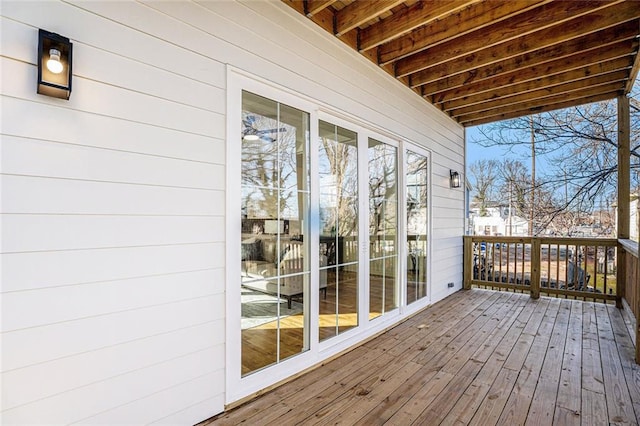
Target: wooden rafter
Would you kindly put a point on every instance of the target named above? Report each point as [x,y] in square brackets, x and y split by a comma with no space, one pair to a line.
[548,37]
[533,28]
[409,19]
[549,90]
[514,112]
[523,62]
[313,7]
[534,104]
[610,58]
[472,18]
[488,60]
[360,12]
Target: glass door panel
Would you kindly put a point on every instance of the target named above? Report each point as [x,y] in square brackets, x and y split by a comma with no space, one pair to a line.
[275,269]
[338,177]
[417,226]
[383,225]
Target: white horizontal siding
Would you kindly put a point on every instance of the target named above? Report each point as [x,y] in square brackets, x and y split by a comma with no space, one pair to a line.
[116,102]
[75,302]
[77,371]
[113,201]
[53,159]
[39,121]
[59,268]
[22,233]
[47,195]
[172,377]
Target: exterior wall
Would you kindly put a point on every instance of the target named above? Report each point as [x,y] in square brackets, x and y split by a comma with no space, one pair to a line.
[113,250]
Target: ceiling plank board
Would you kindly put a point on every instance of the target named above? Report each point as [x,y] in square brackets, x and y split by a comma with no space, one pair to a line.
[626,31]
[359,12]
[490,118]
[315,6]
[535,105]
[575,28]
[400,23]
[515,77]
[595,62]
[472,18]
[519,96]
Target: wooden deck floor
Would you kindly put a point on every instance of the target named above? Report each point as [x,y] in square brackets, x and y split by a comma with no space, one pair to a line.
[478,357]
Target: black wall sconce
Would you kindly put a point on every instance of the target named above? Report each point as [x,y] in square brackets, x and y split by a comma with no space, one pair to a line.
[454,178]
[55,55]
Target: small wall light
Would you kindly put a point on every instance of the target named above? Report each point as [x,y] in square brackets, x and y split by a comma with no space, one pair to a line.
[454,179]
[54,65]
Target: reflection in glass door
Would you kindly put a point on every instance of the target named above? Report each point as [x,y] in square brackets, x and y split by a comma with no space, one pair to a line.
[338,177]
[383,225]
[417,219]
[275,268]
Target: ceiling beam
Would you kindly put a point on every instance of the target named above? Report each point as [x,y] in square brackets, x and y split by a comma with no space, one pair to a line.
[359,12]
[472,18]
[626,31]
[575,28]
[518,97]
[489,118]
[595,62]
[419,14]
[312,7]
[550,17]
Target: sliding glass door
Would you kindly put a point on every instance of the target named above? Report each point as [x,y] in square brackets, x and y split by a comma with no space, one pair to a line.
[275,268]
[383,228]
[339,222]
[417,191]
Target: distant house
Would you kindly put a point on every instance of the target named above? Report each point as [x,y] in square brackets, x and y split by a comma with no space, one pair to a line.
[497,221]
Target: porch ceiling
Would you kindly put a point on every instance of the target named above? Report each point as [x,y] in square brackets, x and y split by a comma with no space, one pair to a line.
[482,61]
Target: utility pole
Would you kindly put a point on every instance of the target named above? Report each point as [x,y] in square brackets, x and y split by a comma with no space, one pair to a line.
[533,176]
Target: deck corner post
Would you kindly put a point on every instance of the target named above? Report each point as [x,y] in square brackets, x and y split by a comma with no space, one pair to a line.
[624,191]
[467,266]
[535,268]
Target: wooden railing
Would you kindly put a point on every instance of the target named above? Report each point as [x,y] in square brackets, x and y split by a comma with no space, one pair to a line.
[630,273]
[582,268]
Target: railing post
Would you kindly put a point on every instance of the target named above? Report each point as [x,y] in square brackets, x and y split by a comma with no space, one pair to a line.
[535,268]
[467,260]
[621,275]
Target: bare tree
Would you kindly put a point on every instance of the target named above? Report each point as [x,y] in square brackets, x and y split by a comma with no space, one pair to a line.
[580,147]
[485,174]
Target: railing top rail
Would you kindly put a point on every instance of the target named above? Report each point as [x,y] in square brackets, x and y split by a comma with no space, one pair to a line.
[500,239]
[630,247]
[545,240]
[579,241]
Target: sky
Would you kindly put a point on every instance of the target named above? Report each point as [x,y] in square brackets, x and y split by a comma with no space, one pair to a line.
[476,152]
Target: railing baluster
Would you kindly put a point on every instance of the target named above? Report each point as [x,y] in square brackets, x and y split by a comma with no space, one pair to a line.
[508,280]
[534,281]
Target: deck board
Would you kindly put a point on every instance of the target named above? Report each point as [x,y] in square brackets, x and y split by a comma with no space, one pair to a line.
[480,357]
